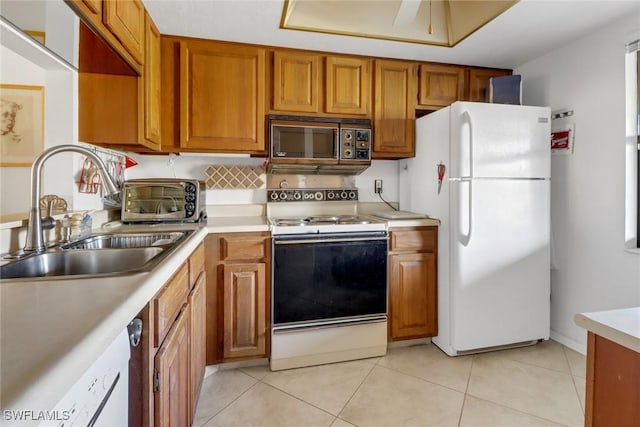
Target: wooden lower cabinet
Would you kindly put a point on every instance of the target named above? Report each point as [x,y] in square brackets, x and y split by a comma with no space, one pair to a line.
[238,296]
[412,290]
[613,384]
[167,368]
[198,335]
[244,310]
[413,283]
[171,380]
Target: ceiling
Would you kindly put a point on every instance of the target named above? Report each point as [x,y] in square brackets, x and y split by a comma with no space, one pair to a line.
[523,32]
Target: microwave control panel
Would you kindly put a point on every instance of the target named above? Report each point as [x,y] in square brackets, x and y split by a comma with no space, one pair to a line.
[355,144]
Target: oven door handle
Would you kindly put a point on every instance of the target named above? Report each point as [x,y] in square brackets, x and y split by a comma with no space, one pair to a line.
[328,324]
[337,240]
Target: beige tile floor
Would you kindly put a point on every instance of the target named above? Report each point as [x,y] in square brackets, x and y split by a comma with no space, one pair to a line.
[541,385]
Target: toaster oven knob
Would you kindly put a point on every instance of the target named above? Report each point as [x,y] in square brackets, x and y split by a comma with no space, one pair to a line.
[189,187]
[191,207]
[190,197]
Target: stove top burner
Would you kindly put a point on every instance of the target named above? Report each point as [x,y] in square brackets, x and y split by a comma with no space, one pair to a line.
[320,220]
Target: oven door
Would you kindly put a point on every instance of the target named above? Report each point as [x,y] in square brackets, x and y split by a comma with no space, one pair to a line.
[329,279]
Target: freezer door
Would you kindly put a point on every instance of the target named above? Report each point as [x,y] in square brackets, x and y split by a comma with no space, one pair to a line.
[500,141]
[500,278]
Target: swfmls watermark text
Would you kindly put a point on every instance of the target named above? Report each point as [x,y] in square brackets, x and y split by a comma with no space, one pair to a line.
[31,415]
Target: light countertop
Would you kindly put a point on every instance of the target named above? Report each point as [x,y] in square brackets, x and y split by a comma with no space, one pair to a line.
[52,330]
[419,222]
[621,326]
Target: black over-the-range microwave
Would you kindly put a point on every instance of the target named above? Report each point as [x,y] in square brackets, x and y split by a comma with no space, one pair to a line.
[319,144]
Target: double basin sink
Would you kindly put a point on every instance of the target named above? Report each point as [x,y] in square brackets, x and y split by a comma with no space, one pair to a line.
[98,255]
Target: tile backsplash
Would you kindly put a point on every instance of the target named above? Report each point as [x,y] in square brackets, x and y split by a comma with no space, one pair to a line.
[234,176]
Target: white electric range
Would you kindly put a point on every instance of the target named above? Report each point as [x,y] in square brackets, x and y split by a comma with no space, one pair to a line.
[329,278]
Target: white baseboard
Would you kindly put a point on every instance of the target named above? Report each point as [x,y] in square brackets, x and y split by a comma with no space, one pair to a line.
[569,342]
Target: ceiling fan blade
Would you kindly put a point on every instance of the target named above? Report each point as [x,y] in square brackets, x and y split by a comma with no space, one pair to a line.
[406,12]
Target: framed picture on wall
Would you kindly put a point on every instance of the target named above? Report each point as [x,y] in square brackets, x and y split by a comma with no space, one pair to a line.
[22,126]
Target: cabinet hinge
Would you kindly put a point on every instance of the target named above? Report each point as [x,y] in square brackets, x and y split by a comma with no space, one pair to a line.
[156,381]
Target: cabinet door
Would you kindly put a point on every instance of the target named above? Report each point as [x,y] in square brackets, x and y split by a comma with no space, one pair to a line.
[295,82]
[171,393]
[347,85]
[125,19]
[222,97]
[412,296]
[152,94]
[197,305]
[479,82]
[244,310]
[92,9]
[394,109]
[440,85]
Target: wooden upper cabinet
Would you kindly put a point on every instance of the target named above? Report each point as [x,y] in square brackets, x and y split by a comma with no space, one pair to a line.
[152,92]
[222,97]
[394,109]
[479,82]
[125,19]
[440,85]
[296,82]
[91,8]
[347,85]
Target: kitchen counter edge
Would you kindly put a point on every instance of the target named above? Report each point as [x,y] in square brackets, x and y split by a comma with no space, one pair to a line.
[621,326]
[22,387]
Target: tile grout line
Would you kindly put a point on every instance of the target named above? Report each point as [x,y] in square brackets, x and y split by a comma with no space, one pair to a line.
[573,379]
[356,390]
[466,390]
[520,410]
[233,400]
[422,379]
[299,399]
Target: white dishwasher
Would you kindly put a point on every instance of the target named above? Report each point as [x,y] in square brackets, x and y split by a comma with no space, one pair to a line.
[100,398]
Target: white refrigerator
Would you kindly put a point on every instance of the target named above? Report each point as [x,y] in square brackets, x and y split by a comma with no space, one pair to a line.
[493,204]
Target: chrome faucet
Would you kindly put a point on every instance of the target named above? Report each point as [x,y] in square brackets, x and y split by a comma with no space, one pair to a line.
[35,235]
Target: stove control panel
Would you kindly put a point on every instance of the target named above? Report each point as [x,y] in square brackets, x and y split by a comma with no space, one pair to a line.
[312,195]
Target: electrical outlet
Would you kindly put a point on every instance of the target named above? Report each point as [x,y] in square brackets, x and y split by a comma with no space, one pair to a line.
[377,186]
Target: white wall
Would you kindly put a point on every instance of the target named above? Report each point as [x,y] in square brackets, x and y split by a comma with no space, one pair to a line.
[594,272]
[193,165]
[60,115]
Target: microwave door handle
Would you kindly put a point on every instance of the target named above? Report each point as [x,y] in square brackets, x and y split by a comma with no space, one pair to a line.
[337,143]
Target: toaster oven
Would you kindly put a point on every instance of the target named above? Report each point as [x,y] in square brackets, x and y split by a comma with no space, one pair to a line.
[163,200]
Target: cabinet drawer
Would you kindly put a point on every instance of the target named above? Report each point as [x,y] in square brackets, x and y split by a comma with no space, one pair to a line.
[169,301]
[243,248]
[413,239]
[196,264]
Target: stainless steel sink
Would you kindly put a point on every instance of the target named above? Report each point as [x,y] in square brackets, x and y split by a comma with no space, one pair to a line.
[97,255]
[84,261]
[129,240]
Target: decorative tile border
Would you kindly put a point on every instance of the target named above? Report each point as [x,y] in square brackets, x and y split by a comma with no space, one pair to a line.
[233,177]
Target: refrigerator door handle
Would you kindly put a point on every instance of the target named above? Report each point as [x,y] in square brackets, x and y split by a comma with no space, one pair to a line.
[464,238]
[466,119]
